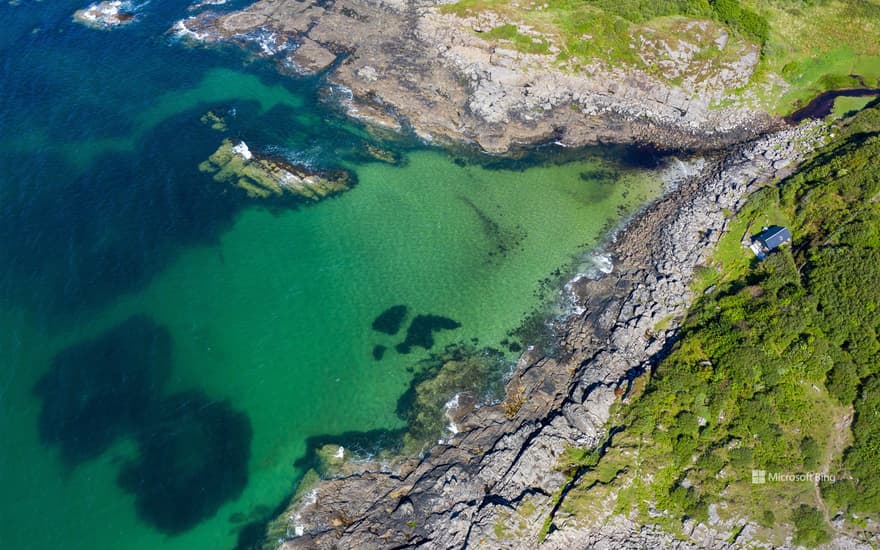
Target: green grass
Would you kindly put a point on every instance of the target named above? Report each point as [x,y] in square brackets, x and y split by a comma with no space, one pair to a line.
[847,106]
[518,40]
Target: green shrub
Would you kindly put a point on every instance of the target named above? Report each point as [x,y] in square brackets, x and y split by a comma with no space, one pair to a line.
[811,453]
[749,23]
[809,527]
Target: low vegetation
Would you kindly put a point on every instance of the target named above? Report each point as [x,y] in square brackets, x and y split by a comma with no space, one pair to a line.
[777,368]
[805,46]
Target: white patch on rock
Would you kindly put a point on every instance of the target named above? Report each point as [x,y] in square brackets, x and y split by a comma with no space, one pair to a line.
[368,73]
[242,149]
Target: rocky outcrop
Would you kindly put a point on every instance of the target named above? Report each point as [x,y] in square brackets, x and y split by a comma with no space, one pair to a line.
[501,461]
[264,177]
[407,64]
[106,15]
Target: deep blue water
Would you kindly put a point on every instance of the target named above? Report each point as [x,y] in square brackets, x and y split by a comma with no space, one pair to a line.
[76,104]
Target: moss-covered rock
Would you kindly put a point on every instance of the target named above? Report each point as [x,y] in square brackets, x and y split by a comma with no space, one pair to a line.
[265,177]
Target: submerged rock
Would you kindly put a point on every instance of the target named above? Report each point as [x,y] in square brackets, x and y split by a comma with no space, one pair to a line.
[331,459]
[265,177]
[383,155]
[446,388]
[214,121]
[105,15]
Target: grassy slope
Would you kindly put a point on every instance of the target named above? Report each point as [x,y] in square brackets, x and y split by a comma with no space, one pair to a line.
[772,367]
[807,46]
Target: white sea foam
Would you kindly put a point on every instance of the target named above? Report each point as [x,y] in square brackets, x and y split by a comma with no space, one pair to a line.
[199,5]
[241,149]
[181,31]
[596,266]
[451,405]
[298,528]
[307,158]
[603,263]
[268,41]
[340,452]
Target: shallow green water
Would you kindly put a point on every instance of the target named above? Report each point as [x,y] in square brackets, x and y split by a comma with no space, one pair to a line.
[268,309]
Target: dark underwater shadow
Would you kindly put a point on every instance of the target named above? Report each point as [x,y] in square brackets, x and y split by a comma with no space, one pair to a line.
[75,245]
[622,157]
[193,458]
[101,389]
[192,451]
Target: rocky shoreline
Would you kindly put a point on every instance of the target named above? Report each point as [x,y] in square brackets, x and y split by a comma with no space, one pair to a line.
[408,65]
[501,461]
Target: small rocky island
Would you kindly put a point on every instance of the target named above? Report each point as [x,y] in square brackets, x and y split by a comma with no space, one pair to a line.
[106,15]
[264,177]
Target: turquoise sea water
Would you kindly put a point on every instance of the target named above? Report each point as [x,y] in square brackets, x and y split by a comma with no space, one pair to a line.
[167,345]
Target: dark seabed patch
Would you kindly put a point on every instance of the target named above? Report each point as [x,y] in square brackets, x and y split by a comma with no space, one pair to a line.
[379,352]
[504,240]
[193,458]
[109,230]
[421,331]
[512,345]
[100,389]
[78,244]
[390,320]
[603,175]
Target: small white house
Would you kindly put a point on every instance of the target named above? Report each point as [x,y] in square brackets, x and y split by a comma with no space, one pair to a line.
[769,239]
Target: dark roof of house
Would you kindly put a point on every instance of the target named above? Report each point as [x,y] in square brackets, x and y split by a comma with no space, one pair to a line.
[774,236]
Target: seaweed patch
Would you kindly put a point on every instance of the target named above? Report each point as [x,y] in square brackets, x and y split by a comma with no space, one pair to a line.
[193,458]
[100,389]
[390,320]
[193,451]
[421,331]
